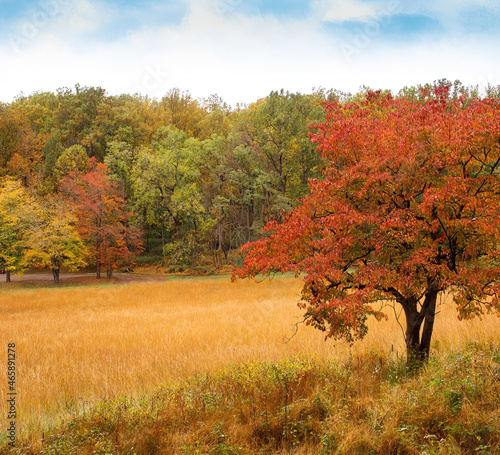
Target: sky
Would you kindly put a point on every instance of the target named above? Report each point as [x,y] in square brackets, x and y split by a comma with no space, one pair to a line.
[244,49]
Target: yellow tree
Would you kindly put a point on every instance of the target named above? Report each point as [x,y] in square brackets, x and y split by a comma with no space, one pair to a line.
[53,241]
[27,162]
[73,159]
[16,209]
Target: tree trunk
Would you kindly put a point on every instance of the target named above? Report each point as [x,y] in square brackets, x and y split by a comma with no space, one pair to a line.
[249,235]
[212,250]
[223,247]
[412,336]
[109,273]
[7,276]
[98,273]
[418,347]
[55,274]
[425,342]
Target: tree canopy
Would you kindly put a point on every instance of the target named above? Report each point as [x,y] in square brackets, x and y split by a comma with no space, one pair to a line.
[52,240]
[102,218]
[408,208]
[196,178]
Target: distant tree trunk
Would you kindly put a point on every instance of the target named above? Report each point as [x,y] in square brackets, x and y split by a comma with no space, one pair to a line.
[55,274]
[56,267]
[215,256]
[98,272]
[7,276]
[109,272]
[223,246]
[418,347]
[194,248]
[249,233]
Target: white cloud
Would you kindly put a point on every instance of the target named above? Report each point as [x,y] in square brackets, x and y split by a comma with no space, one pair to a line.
[344,10]
[239,57]
[84,16]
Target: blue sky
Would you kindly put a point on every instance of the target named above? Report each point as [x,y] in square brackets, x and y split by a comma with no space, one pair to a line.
[243,49]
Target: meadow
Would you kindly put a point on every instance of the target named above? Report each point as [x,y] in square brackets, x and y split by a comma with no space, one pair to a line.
[76,346]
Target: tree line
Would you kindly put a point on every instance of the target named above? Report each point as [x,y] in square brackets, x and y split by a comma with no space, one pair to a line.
[93,179]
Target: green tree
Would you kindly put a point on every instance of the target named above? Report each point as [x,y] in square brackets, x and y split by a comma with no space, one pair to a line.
[276,129]
[218,119]
[166,193]
[73,160]
[120,161]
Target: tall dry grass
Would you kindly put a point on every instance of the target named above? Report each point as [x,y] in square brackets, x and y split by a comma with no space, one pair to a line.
[78,345]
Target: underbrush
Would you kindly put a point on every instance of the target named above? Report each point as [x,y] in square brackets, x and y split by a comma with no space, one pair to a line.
[368,404]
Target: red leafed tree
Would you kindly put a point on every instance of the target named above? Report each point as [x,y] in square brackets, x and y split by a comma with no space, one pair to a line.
[409,208]
[102,218]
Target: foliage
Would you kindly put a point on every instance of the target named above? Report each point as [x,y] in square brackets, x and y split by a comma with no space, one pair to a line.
[408,209]
[103,220]
[73,160]
[120,161]
[276,129]
[166,195]
[241,167]
[52,240]
[16,212]
[27,160]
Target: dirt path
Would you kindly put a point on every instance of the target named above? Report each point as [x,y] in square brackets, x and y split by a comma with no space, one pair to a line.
[47,276]
[75,279]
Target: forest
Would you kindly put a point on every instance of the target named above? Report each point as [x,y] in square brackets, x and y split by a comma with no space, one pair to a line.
[93,180]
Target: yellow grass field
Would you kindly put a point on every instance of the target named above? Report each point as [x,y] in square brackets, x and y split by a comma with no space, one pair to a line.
[78,345]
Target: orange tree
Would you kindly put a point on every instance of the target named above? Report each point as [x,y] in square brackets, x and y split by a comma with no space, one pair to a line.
[408,208]
[103,221]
